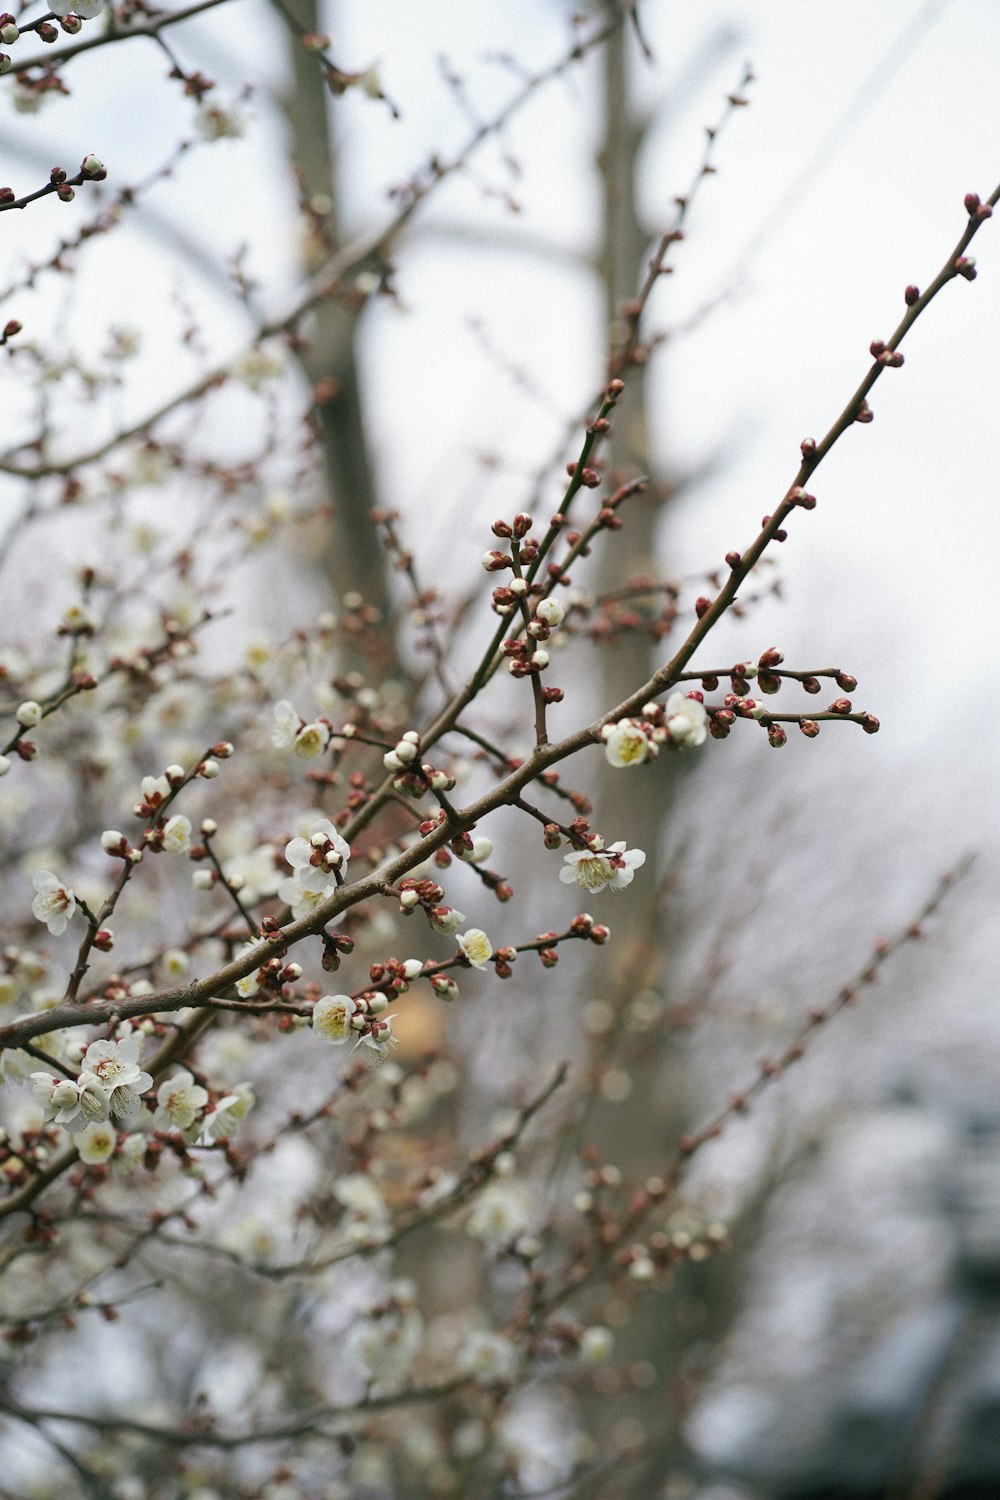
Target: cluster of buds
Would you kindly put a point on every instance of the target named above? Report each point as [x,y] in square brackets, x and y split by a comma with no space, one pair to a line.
[335,944]
[390,979]
[424,893]
[526,658]
[416,779]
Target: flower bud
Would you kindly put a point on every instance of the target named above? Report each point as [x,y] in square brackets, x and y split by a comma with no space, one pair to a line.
[550,612]
[29,714]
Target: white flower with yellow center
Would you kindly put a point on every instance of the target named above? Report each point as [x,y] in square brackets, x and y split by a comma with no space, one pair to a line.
[593,869]
[71,1102]
[96,1142]
[180,1102]
[625,744]
[115,1065]
[177,834]
[476,947]
[311,741]
[331,1018]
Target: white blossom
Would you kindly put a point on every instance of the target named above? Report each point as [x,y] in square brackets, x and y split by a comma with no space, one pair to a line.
[286,725]
[177,834]
[446,918]
[115,1065]
[215,123]
[71,1102]
[499,1214]
[223,1120]
[595,869]
[95,1142]
[482,848]
[476,947]
[319,859]
[302,900]
[625,744]
[29,714]
[311,741]
[331,1018]
[686,721]
[257,365]
[130,1154]
[85,9]
[180,1102]
[489,1357]
[54,903]
[596,1344]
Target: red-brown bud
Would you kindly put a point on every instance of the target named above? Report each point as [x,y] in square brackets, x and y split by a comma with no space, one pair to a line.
[911,295]
[702,606]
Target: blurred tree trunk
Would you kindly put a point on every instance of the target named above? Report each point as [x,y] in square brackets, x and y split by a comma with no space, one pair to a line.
[638,1134]
[353,558]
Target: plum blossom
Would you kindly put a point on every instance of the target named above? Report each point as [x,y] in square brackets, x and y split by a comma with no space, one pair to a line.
[625,744]
[593,869]
[319,863]
[177,834]
[115,1066]
[287,724]
[215,124]
[85,9]
[96,1142]
[500,1214]
[250,983]
[54,903]
[476,947]
[311,741]
[489,1358]
[256,365]
[155,789]
[686,721]
[367,1215]
[223,1120]
[318,860]
[331,1018]
[131,1150]
[71,1102]
[180,1103]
